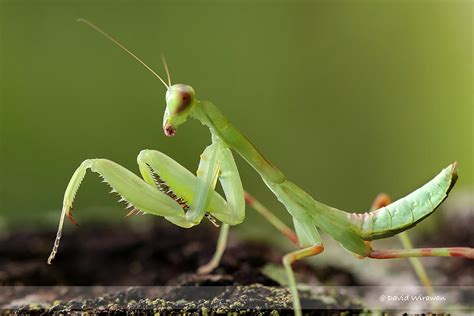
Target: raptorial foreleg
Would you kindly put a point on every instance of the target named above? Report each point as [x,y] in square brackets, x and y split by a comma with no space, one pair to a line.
[131,188]
[196,193]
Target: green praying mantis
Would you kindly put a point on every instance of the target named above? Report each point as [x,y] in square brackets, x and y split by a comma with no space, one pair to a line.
[170,190]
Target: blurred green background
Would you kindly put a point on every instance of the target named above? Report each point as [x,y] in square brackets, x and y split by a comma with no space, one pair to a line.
[348,98]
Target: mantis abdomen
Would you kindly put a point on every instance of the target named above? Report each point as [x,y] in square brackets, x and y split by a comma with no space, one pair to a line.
[408,211]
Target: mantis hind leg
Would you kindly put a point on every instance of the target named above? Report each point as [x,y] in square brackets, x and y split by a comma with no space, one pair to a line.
[413,254]
[464,252]
[383,200]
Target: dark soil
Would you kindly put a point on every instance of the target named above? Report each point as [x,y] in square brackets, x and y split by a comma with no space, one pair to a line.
[120,256]
[456,229]
[147,261]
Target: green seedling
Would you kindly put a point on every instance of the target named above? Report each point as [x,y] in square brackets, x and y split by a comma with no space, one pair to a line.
[169,190]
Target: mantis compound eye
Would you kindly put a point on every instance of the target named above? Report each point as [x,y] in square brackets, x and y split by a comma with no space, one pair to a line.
[179,98]
[184,101]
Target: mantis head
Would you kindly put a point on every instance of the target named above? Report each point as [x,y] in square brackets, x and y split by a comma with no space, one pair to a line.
[179,101]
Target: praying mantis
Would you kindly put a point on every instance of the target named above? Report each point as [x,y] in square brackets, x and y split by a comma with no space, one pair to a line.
[170,190]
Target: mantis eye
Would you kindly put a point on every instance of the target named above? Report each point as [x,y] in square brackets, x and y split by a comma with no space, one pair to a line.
[184,101]
[179,98]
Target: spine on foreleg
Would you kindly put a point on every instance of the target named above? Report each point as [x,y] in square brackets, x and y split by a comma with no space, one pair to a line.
[408,211]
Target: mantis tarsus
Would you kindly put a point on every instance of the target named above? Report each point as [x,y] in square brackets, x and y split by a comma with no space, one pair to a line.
[170,190]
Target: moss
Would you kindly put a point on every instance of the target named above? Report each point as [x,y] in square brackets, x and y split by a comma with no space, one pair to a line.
[255,299]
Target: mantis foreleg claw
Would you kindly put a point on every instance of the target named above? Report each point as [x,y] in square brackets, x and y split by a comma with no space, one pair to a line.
[71,218]
[212,220]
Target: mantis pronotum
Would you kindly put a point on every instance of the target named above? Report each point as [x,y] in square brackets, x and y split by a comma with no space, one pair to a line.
[170,190]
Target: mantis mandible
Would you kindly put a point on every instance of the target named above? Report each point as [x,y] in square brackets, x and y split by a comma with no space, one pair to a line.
[168,189]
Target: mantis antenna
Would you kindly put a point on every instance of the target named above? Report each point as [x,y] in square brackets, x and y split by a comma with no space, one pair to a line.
[129,52]
[166,68]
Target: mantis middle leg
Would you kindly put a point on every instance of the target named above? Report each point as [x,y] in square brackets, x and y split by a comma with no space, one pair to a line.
[269,216]
[310,241]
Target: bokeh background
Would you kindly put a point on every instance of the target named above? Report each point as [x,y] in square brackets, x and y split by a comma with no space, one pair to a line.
[348,98]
